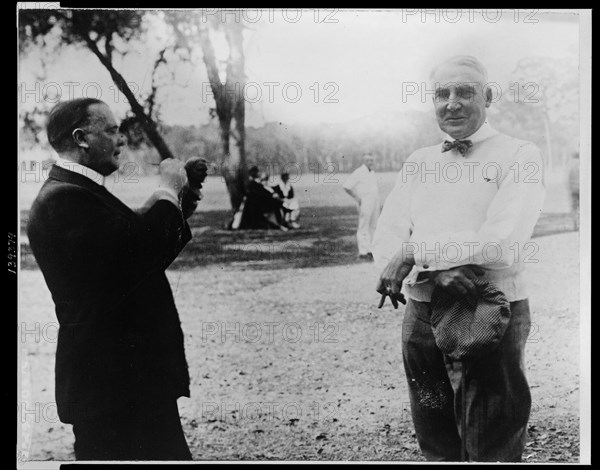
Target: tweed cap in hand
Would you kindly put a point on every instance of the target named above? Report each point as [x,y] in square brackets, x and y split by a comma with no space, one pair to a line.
[463,331]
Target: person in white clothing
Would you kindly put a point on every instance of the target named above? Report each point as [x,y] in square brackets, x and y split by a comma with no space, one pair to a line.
[460,211]
[290,207]
[361,185]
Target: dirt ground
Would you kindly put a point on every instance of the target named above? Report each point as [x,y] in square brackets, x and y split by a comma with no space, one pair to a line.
[297,363]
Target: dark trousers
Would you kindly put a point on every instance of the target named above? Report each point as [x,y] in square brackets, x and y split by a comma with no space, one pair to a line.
[498,399]
[142,431]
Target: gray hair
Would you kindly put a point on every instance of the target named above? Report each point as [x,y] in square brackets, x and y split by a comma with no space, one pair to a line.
[465,61]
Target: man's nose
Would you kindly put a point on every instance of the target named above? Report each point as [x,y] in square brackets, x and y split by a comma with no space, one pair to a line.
[454,105]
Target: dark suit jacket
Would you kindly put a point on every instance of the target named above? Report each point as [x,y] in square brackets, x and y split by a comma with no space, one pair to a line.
[258,202]
[120,337]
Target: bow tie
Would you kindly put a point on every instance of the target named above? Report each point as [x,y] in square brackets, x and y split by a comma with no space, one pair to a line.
[461,145]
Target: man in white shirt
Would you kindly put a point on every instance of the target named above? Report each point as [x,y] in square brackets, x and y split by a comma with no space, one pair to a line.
[459,210]
[361,185]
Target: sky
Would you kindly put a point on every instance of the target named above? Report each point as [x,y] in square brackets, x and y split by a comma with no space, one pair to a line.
[318,66]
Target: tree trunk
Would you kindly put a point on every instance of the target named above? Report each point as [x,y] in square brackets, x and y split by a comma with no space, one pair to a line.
[237,135]
[229,100]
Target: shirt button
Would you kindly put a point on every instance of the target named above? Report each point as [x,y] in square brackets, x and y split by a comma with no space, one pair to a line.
[425,266]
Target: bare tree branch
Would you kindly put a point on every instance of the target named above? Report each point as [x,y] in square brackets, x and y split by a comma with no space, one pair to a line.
[148,124]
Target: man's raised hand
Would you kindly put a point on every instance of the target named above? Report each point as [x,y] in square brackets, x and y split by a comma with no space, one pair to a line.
[172,174]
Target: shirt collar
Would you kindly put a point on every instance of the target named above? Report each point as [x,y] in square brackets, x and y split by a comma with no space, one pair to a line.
[484,132]
[80,169]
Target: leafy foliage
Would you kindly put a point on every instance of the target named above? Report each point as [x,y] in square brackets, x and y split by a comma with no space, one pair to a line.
[74,24]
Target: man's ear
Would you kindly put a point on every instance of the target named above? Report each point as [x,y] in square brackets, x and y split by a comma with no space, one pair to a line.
[79,138]
[489,96]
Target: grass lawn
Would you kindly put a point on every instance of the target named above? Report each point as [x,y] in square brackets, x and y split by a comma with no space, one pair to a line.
[328,219]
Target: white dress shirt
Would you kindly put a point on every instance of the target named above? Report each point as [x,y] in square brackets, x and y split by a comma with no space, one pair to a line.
[451,210]
[363,182]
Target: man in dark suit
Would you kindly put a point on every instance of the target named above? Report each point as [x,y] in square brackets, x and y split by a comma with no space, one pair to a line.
[120,361]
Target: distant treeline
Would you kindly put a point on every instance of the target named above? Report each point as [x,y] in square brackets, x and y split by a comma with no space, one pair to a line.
[331,147]
[276,145]
[339,147]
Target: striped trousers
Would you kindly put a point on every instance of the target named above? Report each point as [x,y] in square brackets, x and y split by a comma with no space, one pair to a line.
[498,400]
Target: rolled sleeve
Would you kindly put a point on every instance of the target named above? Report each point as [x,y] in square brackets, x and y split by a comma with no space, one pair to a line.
[394,226]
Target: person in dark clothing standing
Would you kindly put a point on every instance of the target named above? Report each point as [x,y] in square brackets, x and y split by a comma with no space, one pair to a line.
[120,360]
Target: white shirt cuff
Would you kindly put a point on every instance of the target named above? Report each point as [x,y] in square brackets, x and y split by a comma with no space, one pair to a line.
[411,279]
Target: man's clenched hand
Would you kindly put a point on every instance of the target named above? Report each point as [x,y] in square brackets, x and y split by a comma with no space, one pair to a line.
[458,281]
[390,281]
[172,174]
